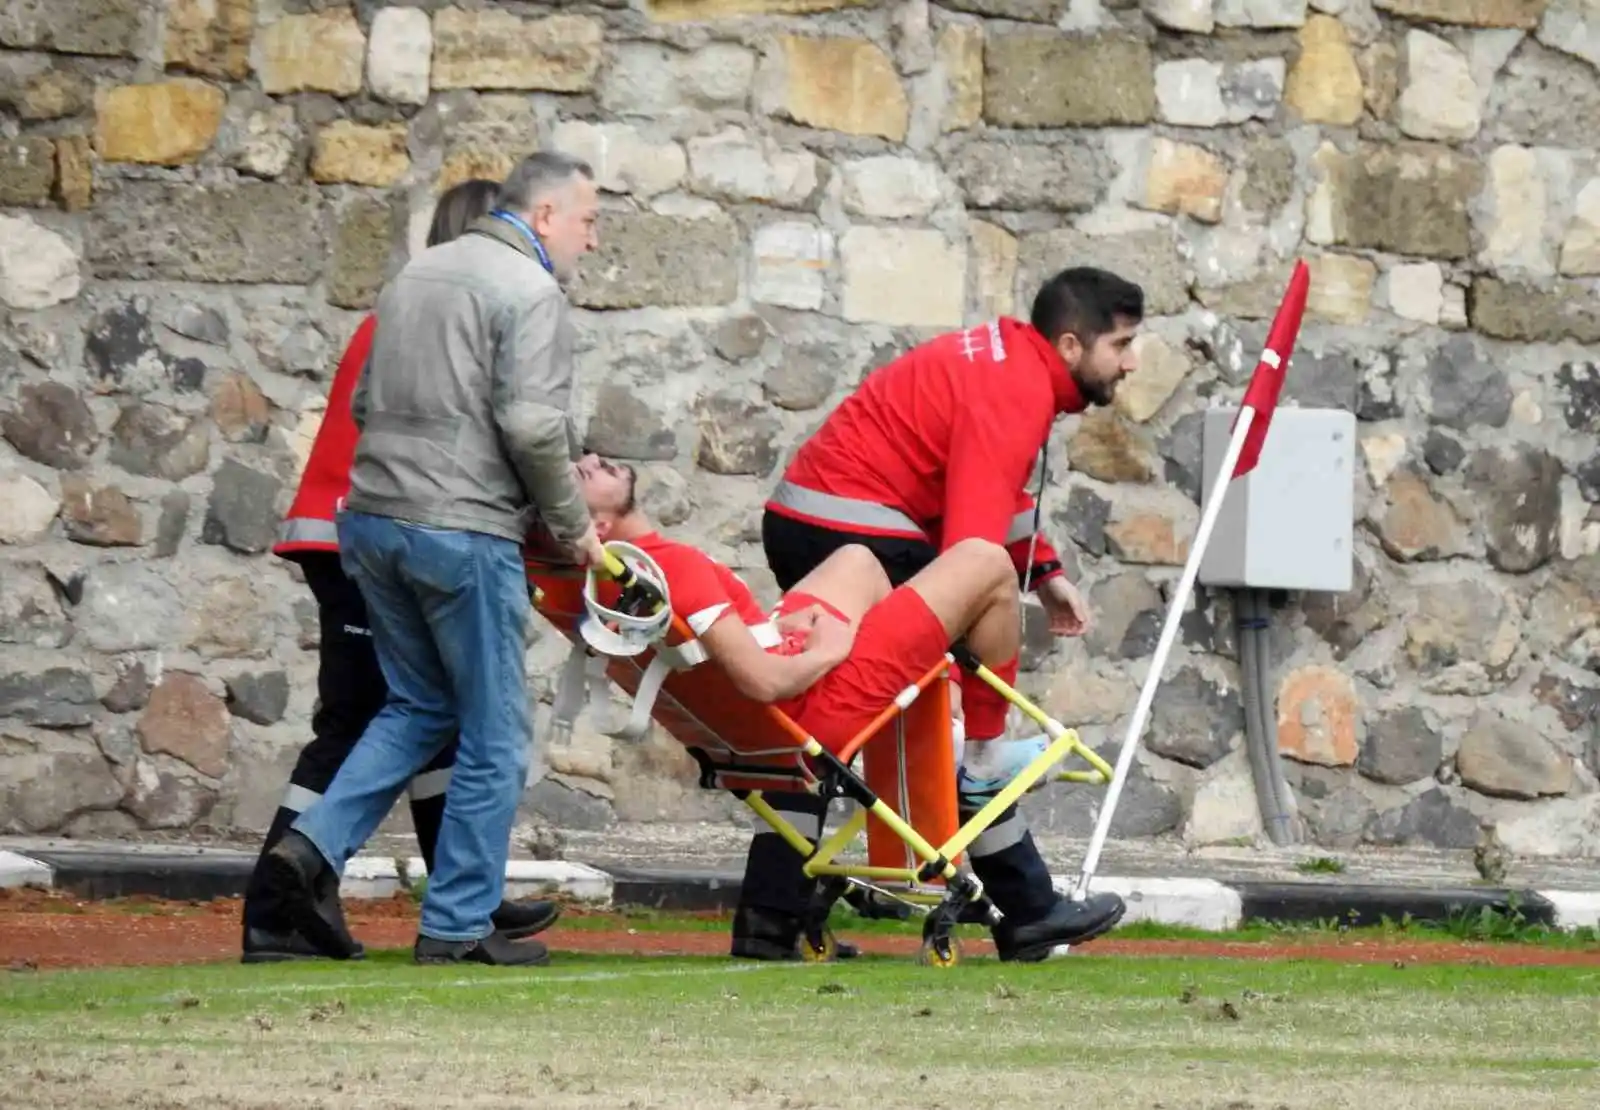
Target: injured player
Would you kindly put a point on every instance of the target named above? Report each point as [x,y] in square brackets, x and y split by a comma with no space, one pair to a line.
[840,646]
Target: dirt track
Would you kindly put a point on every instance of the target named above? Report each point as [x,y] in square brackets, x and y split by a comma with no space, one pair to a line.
[47,930]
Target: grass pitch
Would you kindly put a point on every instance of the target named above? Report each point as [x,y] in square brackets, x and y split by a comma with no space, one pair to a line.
[665,1034]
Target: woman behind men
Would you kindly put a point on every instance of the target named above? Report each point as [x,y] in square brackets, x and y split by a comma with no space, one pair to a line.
[350,685]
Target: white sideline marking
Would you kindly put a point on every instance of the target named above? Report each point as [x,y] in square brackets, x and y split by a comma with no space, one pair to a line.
[1575,908]
[19,870]
[1196,903]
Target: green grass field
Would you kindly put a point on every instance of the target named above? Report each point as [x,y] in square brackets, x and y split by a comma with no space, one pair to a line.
[632,1033]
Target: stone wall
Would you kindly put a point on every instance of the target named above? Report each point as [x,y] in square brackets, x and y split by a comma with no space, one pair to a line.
[200,198]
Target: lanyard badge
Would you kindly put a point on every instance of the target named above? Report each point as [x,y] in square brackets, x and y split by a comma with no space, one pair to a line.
[527,232]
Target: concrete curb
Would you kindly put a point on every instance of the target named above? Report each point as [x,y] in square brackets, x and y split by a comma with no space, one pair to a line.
[93,872]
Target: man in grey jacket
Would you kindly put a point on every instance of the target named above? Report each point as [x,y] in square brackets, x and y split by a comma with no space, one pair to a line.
[465,441]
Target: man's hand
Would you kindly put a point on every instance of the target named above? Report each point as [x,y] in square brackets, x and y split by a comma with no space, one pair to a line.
[589,551]
[831,638]
[1069,615]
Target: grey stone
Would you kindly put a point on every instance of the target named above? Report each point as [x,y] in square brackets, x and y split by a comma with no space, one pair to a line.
[1402,746]
[1466,622]
[242,513]
[252,234]
[1146,808]
[1378,399]
[1542,98]
[1127,616]
[131,690]
[201,323]
[59,697]
[363,240]
[663,261]
[51,424]
[1442,452]
[1061,177]
[802,378]
[1587,474]
[1085,519]
[106,28]
[30,608]
[118,742]
[1339,819]
[1193,720]
[1035,11]
[1269,176]
[1406,198]
[1547,312]
[740,337]
[1507,759]
[129,607]
[188,374]
[121,345]
[736,436]
[304,351]
[1345,618]
[1149,256]
[174,521]
[1465,388]
[627,426]
[1580,382]
[1431,818]
[99,516]
[1048,79]
[1328,379]
[260,697]
[1519,492]
[162,799]
[155,442]
[1576,705]
[664,495]
[1037,639]
[568,807]
[42,790]
[1207,625]
[1182,449]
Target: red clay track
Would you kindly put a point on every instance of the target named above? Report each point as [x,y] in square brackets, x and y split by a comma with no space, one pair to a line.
[47,930]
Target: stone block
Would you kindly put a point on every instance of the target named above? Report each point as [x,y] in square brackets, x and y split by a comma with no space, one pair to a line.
[1514,215]
[1573,27]
[792,261]
[27,172]
[493,49]
[210,37]
[1263,15]
[734,166]
[960,55]
[1341,288]
[1414,524]
[186,720]
[1162,368]
[1325,84]
[623,161]
[99,516]
[1402,746]
[50,424]
[362,243]
[1536,313]
[1409,198]
[1061,177]
[166,124]
[103,28]
[1195,16]
[652,79]
[26,508]
[1109,449]
[246,233]
[736,436]
[1518,494]
[1182,178]
[669,11]
[1415,291]
[1197,92]
[646,259]
[264,142]
[1440,99]
[354,154]
[400,55]
[1522,14]
[836,83]
[1148,256]
[38,267]
[1318,715]
[1041,79]
[994,268]
[904,277]
[315,52]
[54,94]
[891,187]
[1580,246]
[75,172]
[1506,759]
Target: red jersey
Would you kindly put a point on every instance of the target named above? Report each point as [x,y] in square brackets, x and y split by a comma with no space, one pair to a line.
[703,590]
[309,524]
[939,444]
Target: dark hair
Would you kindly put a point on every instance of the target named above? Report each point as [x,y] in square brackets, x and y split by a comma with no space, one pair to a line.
[1085,301]
[538,174]
[459,206]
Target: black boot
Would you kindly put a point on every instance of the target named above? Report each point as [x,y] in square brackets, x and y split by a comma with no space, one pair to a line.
[310,893]
[764,934]
[524,917]
[495,949]
[1067,922]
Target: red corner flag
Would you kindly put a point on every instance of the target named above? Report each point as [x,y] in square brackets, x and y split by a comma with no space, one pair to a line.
[1267,381]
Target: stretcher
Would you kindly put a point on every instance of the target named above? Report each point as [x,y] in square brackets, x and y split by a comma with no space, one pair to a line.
[904,792]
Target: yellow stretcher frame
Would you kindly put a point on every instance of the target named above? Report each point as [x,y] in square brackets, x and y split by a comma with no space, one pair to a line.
[962,889]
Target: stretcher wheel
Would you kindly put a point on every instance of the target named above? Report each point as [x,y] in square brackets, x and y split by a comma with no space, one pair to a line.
[821,948]
[939,952]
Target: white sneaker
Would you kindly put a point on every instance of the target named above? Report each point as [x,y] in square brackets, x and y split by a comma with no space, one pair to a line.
[1009,758]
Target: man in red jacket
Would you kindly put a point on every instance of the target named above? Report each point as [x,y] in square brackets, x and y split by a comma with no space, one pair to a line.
[933,449]
[350,684]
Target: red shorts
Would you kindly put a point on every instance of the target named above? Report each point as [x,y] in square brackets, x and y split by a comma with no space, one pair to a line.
[896,643]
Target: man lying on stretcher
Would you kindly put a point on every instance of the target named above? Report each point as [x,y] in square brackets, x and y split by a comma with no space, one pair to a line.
[841,645]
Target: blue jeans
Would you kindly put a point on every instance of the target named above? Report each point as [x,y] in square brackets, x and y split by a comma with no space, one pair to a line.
[449,613]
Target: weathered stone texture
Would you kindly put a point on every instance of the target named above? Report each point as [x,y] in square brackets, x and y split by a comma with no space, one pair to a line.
[202,197]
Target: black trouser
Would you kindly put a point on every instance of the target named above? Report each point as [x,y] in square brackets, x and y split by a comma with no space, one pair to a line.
[1004,857]
[350,692]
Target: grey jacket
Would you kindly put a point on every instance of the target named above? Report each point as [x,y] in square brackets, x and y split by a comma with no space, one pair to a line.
[464,402]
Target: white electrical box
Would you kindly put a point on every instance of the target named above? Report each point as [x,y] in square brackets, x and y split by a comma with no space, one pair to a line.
[1286,525]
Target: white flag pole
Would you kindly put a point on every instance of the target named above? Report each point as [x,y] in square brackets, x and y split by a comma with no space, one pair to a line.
[1169,632]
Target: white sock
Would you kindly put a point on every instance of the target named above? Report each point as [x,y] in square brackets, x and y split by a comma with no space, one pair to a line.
[981,758]
[958,738]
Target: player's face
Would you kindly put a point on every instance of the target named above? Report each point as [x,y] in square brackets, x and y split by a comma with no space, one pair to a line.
[1102,366]
[607,487]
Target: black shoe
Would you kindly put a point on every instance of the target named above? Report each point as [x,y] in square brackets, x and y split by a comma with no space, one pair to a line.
[871,906]
[762,934]
[494,949]
[1068,922]
[310,892]
[524,918]
[268,946]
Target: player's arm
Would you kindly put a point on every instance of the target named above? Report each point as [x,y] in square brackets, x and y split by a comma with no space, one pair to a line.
[760,675]
[992,448]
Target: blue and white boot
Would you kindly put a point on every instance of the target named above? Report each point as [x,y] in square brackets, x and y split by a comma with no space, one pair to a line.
[988,765]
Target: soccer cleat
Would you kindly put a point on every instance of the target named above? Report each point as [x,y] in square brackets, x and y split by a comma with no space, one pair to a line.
[992,775]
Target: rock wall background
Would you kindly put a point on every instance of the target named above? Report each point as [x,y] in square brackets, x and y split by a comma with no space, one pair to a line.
[200,197]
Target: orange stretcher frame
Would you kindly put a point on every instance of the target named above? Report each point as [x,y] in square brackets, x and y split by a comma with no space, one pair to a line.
[905,792]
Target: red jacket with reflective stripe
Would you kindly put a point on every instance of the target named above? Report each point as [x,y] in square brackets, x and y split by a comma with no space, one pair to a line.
[939,444]
[309,525]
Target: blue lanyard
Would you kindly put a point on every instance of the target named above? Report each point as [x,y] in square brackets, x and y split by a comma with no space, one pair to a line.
[521,225]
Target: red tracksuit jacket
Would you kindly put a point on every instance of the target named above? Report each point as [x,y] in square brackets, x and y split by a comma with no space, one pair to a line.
[939,444]
[309,524]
